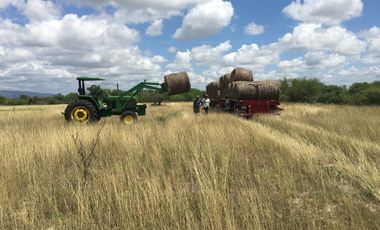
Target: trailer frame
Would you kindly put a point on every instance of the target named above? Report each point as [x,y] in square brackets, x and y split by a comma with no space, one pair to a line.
[247,108]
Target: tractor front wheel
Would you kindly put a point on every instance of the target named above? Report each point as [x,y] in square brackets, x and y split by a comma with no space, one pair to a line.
[128,118]
[81,112]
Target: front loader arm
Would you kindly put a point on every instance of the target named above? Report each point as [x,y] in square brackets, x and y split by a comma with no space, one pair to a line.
[161,88]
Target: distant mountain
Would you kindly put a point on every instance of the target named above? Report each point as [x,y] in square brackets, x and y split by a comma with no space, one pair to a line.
[17,94]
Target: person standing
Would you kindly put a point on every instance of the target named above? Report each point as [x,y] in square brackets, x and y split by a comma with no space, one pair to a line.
[227,103]
[206,103]
[197,105]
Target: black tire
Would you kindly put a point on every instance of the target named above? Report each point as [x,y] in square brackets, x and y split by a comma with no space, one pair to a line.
[81,112]
[128,118]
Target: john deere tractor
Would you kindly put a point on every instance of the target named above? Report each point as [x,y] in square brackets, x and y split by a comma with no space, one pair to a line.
[89,108]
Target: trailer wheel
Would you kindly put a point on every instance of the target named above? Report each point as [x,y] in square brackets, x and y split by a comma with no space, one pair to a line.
[81,112]
[128,118]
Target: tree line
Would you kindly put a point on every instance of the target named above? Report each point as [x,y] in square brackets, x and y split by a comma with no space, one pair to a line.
[292,90]
[314,91]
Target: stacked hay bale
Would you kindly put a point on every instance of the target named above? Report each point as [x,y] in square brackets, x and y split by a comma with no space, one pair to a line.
[224,81]
[271,82]
[213,90]
[254,90]
[177,83]
[229,81]
[241,74]
[240,85]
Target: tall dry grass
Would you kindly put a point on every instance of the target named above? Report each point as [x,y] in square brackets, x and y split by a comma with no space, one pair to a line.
[312,167]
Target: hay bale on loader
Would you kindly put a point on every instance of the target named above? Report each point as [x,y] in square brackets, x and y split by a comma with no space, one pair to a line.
[241,74]
[177,83]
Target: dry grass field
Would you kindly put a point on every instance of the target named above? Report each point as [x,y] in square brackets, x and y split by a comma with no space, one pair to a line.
[312,167]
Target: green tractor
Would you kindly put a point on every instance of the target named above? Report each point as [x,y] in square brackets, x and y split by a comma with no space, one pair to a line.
[89,108]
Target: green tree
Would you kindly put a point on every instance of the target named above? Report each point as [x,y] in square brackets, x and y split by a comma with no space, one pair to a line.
[285,85]
[16,101]
[3,100]
[332,94]
[97,91]
[364,93]
[189,96]
[372,96]
[69,97]
[304,90]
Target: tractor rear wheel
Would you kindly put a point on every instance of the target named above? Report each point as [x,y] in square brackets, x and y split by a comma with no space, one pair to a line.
[81,112]
[128,118]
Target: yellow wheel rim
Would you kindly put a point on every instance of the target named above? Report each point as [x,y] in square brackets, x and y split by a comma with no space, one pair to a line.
[129,119]
[80,114]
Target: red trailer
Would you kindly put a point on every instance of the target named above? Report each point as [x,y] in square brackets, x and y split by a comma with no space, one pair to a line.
[247,108]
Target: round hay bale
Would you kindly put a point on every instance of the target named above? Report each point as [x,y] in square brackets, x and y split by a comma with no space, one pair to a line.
[225,80]
[272,82]
[268,91]
[252,90]
[222,92]
[221,81]
[245,91]
[241,74]
[232,89]
[177,83]
[209,89]
[216,84]
[229,90]
[212,89]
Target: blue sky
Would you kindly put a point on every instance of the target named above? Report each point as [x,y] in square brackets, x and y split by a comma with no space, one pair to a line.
[44,45]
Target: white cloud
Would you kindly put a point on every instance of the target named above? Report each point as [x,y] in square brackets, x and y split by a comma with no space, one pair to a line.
[140,4]
[318,62]
[371,59]
[155,28]
[182,61]
[128,15]
[294,64]
[252,56]
[52,52]
[205,19]
[40,10]
[206,55]
[314,37]
[347,76]
[322,60]
[324,11]
[34,9]
[74,33]
[254,29]
[5,3]
[141,11]
[372,36]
